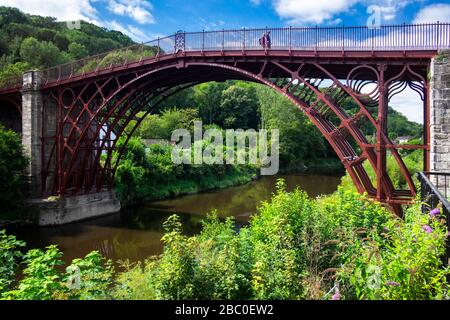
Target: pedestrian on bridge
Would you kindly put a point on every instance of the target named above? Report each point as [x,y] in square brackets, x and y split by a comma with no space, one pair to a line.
[262,40]
[268,40]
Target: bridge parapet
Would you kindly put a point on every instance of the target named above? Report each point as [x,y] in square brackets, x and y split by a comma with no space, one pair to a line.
[394,38]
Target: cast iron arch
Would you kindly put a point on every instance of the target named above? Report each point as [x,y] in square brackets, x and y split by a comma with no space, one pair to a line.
[114,102]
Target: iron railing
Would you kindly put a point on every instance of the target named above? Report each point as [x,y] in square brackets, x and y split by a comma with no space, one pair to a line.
[404,37]
[435,188]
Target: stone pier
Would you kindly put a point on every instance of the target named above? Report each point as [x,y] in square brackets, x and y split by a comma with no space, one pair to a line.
[440,114]
[35,124]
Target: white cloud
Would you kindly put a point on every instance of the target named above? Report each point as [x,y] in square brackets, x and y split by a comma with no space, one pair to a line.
[433,13]
[255,2]
[133,32]
[409,104]
[301,12]
[138,10]
[307,11]
[67,10]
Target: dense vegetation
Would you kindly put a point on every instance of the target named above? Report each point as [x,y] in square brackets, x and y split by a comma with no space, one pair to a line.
[342,246]
[147,174]
[12,175]
[29,41]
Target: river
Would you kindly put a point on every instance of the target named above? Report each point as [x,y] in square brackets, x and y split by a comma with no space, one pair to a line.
[135,233]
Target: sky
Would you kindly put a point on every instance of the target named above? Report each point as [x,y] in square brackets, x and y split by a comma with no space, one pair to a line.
[144,20]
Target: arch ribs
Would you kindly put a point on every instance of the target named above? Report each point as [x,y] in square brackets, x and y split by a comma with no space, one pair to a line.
[90,116]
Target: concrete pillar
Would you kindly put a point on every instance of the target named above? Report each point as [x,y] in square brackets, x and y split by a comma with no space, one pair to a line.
[32,104]
[440,119]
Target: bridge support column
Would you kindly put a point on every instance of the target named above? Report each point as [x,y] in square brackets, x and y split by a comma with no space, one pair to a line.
[37,125]
[440,113]
[32,104]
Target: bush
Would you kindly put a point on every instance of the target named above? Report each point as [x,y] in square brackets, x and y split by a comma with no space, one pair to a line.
[12,178]
[342,246]
[402,263]
[88,278]
[146,174]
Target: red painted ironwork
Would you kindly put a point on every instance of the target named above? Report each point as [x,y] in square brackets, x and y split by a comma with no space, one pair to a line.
[320,70]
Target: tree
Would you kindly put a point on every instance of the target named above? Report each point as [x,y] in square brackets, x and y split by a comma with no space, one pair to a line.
[40,54]
[208,97]
[77,51]
[239,108]
[13,70]
[12,167]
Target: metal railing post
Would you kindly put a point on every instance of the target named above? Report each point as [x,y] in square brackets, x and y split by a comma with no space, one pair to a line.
[159,48]
[438,35]
[203,40]
[223,39]
[317,38]
[290,38]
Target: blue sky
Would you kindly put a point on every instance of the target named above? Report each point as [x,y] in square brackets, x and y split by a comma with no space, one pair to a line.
[145,20]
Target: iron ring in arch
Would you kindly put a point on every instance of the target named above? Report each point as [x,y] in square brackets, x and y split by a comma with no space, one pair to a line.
[68,98]
[357,85]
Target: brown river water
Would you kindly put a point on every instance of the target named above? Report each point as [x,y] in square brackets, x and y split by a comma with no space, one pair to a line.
[135,233]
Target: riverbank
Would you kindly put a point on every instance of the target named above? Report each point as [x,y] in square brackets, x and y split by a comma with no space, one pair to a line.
[136,232]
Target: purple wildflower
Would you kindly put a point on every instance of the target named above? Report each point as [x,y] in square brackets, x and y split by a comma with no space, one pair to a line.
[336,295]
[427,228]
[386,229]
[392,283]
[435,212]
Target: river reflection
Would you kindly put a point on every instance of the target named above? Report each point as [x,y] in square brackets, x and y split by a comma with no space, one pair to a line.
[135,233]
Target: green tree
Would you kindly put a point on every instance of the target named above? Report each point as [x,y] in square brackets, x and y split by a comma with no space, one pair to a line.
[40,54]
[239,108]
[12,168]
[77,51]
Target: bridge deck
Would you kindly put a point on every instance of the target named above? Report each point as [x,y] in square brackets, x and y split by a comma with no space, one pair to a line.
[338,44]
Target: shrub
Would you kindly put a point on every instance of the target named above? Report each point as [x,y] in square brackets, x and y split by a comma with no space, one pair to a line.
[12,178]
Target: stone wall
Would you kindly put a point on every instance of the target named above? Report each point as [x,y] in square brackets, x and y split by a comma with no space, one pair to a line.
[76,208]
[440,119]
[440,113]
[32,103]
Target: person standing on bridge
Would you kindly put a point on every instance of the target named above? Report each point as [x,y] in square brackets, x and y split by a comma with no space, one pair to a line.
[268,40]
[262,40]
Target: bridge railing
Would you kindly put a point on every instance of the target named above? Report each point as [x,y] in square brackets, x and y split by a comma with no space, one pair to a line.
[435,192]
[432,36]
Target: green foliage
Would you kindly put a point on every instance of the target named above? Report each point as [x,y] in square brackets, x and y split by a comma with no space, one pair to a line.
[9,258]
[413,161]
[145,175]
[41,54]
[41,280]
[40,42]
[12,174]
[238,108]
[13,70]
[77,51]
[301,144]
[298,248]
[402,263]
[162,126]
[89,278]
